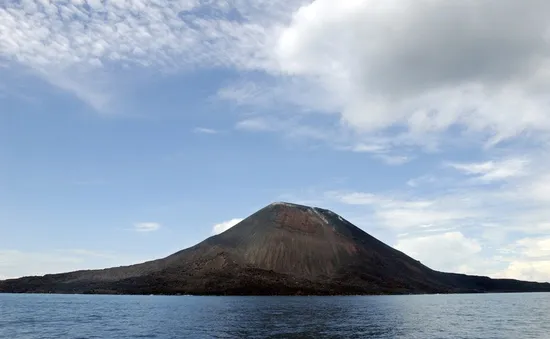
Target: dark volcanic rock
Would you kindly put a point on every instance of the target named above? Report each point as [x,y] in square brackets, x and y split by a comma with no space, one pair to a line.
[281,249]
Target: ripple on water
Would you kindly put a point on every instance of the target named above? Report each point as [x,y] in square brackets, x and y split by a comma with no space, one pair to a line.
[128,317]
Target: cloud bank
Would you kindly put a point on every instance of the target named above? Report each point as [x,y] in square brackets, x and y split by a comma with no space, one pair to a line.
[406,69]
[427,66]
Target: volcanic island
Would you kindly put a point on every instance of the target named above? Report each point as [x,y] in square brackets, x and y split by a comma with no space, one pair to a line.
[282,249]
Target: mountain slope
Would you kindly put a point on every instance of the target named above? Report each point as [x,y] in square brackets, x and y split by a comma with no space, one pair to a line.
[281,249]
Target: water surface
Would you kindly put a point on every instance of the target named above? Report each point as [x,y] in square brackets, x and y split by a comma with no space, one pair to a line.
[163,317]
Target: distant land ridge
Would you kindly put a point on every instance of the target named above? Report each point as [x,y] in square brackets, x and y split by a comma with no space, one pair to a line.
[282,249]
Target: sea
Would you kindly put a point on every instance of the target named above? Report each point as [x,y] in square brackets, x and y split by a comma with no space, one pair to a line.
[36,316]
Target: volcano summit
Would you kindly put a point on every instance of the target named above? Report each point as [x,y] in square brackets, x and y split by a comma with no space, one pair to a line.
[283,249]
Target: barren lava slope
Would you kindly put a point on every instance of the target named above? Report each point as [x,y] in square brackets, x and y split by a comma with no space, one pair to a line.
[281,249]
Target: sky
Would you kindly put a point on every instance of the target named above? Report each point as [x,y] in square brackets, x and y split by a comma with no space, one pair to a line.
[131,129]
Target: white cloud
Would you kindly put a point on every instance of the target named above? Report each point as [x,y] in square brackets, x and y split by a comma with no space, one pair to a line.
[410,214]
[369,148]
[290,128]
[450,251]
[96,87]
[394,159]
[255,124]
[529,259]
[534,247]
[355,198]
[538,189]
[422,180]
[204,130]
[386,66]
[143,32]
[528,270]
[493,170]
[418,217]
[80,45]
[224,226]
[379,148]
[339,139]
[147,227]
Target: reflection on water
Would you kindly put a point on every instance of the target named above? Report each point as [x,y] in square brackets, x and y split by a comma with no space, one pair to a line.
[433,316]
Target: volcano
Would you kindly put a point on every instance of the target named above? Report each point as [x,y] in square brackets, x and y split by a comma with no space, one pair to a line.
[283,249]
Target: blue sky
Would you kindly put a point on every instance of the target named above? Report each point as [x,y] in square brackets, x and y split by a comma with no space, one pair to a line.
[132,129]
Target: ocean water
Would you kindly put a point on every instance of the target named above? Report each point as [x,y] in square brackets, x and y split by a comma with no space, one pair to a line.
[164,317]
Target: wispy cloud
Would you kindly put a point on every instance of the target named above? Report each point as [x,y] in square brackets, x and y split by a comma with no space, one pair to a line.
[369,148]
[147,226]
[411,214]
[382,150]
[493,170]
[256,124]
[394,159]
[422,180]
[290,128]
[339,138]
[204,130]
